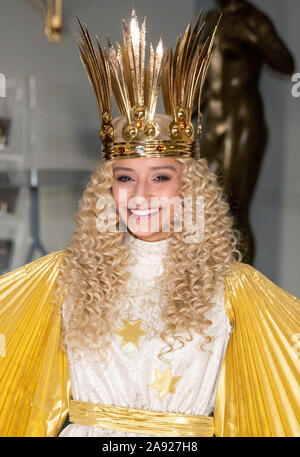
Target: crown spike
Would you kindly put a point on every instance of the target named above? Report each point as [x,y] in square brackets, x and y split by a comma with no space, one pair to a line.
[123,71]
[97,69]
[209,56]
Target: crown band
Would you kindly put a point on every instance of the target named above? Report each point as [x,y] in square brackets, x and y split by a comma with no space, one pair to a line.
[155,148]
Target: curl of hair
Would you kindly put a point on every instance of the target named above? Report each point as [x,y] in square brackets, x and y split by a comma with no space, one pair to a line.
[94,273]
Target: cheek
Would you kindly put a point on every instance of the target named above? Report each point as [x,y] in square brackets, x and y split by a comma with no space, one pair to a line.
[174,189]
[120,196]
[115,194]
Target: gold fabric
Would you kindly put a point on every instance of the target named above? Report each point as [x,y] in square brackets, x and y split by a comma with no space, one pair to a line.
[165,382]
[131,332]
[258,389]
[34,379]
[140,421]
[259,385]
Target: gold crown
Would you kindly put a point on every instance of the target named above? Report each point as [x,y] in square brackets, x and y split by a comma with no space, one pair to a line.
[180,73]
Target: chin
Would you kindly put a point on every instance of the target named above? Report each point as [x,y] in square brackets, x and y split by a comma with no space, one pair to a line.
[150,236]
[157,236]
[143,234]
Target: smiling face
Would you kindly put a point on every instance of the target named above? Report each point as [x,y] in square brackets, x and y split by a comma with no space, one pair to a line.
[143,189]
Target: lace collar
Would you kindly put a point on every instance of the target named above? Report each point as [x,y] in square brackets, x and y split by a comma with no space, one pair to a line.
[146,252]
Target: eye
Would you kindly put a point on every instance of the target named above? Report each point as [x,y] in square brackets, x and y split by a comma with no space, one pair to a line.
[157,179]
[162,178]
[123,178]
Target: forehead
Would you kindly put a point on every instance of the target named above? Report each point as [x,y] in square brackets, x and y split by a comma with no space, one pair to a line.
[147,164]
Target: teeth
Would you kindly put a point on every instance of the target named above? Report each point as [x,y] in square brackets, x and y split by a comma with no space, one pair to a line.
[144,212]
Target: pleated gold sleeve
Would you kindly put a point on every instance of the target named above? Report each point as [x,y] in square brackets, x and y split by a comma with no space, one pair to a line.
[34,378]
[259,385]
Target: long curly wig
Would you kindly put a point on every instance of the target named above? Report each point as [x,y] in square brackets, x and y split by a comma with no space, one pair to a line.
[93,272]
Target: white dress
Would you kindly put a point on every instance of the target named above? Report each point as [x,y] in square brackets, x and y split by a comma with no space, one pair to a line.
[131,378]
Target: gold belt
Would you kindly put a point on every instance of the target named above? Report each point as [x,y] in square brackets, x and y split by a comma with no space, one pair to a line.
[140,420]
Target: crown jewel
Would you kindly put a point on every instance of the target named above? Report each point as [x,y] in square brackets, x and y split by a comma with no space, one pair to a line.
[123,72]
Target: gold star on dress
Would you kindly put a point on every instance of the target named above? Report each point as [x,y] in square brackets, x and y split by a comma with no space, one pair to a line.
[164,382]
[131,332]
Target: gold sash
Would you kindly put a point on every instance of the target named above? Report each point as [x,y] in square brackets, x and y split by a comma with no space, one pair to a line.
[140,421]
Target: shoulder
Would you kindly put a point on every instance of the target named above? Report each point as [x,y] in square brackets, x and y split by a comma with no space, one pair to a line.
[42,270]
[244,276]
[247,289]
[242,273]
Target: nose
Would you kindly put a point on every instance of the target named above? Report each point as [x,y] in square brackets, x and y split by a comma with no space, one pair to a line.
[142,194]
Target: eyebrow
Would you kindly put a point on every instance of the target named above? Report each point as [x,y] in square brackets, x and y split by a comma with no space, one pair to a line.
[151,168]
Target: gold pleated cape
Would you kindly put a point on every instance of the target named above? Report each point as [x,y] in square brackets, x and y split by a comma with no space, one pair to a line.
[258,390]
[35,385]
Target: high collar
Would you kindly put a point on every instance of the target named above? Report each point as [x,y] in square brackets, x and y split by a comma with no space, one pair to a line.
[146,252]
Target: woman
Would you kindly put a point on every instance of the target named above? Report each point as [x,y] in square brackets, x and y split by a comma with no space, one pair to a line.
[133,337]
[165,332]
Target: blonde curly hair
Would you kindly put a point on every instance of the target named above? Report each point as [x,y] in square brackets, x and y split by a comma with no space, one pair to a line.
[93,271]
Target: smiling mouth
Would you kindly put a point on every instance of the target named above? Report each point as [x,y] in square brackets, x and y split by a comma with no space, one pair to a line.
[143,213]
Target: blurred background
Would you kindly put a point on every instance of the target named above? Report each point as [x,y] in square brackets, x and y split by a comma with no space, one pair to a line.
[49,141]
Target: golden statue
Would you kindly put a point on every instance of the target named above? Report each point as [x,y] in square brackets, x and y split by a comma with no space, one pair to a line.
[236,132]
